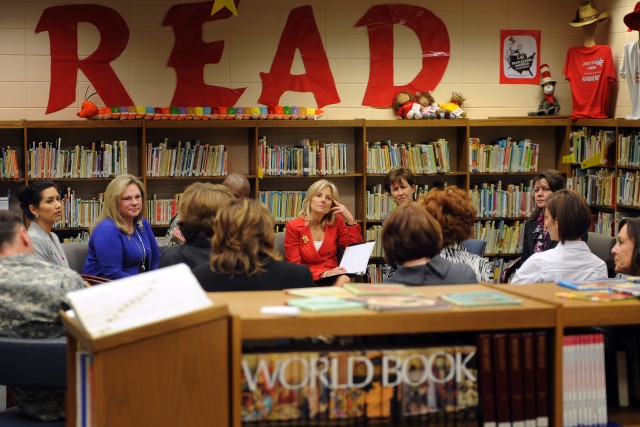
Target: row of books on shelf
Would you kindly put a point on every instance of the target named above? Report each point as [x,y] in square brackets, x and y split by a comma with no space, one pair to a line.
[9,166]
[98,160]
[425,158]
[490,379]
[629,149]
[283,205]
[605,223]
[490,200]
[161,211]
[190,158]
[584,388]
[504,155]
[501,238]
[307,158]
[597,186]
[381,203]
[399,385]
[628,188]
[586,143]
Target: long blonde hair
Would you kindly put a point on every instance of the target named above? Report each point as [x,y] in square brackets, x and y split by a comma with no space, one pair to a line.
[111,198]
[243,238]
[315,188]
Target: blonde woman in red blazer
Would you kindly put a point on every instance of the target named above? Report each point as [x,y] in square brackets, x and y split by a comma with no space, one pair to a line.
[323,225]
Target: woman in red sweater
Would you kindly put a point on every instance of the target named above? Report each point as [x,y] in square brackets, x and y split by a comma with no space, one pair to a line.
[323,225]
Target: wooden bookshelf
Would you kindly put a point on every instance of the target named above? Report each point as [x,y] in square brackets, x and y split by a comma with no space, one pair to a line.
[249,324]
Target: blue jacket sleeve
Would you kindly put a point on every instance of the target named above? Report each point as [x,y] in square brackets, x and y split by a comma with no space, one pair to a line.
[109,251]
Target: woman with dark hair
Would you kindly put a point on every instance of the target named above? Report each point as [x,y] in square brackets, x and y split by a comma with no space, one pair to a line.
[243,257]
[452,208]
[626,252]
[535,236]
[412,239]
[40,203]
[400,183]
[566,217]
[199,204]
[122,243]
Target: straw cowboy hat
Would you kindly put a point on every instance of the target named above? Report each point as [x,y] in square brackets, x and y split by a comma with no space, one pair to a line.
[587,14]
[631,19]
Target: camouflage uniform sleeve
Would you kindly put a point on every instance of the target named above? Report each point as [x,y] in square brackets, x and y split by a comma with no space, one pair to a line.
[71,281]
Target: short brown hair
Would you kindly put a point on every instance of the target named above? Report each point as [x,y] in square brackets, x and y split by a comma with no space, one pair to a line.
[452,208]
[198,206]
[395,175]
[555,180]
[410,233]
[571,211]
[243,238]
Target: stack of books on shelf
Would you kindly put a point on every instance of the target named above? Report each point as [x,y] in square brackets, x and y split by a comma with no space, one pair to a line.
[191,158]
[491,201]
[161,211]
[629,149]
[374,233]
[99,160]
[584,145]
[389,385]
[284,205]
[503,156]
[628,188]
[307,158]
[597,186]
[500,237]
[426,158]
[77,212]
[584,387]
[9,168]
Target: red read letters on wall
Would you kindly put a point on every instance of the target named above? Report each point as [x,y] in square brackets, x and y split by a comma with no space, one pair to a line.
[191,54]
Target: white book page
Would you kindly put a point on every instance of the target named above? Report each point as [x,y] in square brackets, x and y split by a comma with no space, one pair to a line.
[146,298]
[356,257]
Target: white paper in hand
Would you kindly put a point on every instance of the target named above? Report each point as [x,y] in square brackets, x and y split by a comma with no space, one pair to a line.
[356,257]
[138,300]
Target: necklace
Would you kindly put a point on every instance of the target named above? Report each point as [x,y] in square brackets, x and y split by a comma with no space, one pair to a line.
[142,249]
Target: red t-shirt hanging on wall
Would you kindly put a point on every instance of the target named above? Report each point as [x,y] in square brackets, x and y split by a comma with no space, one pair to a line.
[590,73]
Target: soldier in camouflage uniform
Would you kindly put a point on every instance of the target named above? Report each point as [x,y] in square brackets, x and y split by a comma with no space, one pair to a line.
[32,291]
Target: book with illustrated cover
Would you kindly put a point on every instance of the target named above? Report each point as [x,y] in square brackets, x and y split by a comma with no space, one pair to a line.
[481,298]
[596,296]
[404,302]
[320,291]
[364,289]
[626,288]
[324,303]
[591,285]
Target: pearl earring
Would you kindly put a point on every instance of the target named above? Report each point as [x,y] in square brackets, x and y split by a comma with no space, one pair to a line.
[36,216]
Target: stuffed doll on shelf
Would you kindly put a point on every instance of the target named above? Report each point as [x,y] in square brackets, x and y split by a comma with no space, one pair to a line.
[549,105]
[406,107]
[453,109]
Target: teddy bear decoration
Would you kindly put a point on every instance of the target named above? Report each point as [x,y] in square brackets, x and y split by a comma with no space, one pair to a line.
[549,105]
[406,107]
[453,109]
